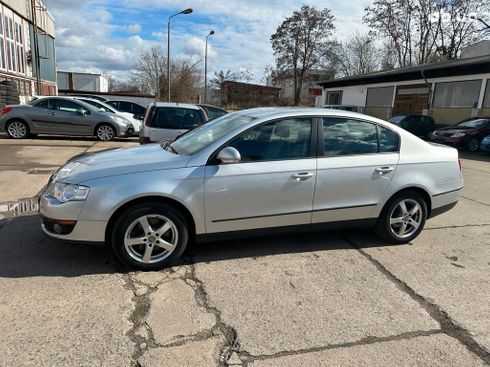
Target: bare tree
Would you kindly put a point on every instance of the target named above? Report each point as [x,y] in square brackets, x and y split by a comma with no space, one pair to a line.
[421,31]
[148,70]
[246,75]
[301,42]
[222,76]
[357,55]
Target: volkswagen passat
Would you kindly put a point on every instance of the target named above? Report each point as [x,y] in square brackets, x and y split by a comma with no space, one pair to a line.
[252,171]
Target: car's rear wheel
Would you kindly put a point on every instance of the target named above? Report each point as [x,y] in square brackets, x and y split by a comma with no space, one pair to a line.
[17,129]
[105,132]
[149,236]
[403,218]
[472,144]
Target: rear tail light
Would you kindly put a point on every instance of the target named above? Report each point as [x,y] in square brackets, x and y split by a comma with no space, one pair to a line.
[6,110]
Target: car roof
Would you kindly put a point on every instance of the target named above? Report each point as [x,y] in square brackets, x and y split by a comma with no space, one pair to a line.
[177,105]
[212,106]
[279,112]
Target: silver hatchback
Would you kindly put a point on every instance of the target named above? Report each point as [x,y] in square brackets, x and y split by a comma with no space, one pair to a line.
[250,172]
[166,121]
[62,116]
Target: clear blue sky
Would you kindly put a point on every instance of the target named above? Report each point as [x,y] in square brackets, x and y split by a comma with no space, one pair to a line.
[107,36]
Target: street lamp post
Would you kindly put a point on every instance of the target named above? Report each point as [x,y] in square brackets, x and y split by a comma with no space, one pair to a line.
[206,68]
[186,11]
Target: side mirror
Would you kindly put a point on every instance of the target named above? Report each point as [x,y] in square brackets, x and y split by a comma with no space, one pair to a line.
[229,155]
[82,111]
[138,117]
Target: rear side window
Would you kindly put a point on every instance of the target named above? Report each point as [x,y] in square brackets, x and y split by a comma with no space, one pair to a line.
[353,137]
[346,137]
[388,140]
[176,118]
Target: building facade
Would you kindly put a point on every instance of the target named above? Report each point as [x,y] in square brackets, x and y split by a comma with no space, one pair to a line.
[87,82]
[244,95]
[448,91]
[27,48]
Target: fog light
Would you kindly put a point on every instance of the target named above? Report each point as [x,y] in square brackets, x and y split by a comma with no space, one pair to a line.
[57,228]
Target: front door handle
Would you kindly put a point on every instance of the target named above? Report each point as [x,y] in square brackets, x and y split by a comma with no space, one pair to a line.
[384,170]
[302,175]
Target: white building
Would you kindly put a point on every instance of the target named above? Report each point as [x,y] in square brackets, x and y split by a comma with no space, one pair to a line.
[82,82]
[449,91]
[27,51]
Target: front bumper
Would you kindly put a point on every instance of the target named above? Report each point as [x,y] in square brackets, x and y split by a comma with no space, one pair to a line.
[61,220]
[457,142]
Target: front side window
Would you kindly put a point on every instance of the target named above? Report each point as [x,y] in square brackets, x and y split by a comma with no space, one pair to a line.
[176,118]
[44,103]
[125,106]
[347,137]
[138,110]
[278,140]
[65,106]
[214,113]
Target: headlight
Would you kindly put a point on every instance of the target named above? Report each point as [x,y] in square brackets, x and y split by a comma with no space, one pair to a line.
[458,135]
[67,192]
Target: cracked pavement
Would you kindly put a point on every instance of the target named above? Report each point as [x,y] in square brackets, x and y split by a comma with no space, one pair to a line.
[315,299]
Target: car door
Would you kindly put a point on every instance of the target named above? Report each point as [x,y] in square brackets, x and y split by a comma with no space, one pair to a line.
[67,119]
[41,116]
[360,159]
[273,184]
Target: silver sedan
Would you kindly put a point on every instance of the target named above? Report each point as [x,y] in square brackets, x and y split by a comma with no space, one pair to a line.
[251,172]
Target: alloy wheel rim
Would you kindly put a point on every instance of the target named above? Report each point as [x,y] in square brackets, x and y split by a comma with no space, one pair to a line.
[105,133]
[17,129]
[406,218]
[473,145]
[151,238]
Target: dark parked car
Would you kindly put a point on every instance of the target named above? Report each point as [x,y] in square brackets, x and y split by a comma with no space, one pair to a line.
[467,134]
[419,125]
[131,107]
[213,112]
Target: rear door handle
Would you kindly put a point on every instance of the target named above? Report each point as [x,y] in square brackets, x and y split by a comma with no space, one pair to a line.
[384,170]
[302,175]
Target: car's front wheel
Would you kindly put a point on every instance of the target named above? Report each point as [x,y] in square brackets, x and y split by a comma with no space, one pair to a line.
[105,132]
[149,236]
[17,129]
[472,144]
[403,218]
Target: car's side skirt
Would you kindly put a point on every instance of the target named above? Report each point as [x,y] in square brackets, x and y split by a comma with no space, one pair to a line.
[315,227]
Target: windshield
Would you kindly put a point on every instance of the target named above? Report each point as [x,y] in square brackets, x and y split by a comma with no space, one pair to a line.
[396,119]
[204,135]
[476,123]
[100,105]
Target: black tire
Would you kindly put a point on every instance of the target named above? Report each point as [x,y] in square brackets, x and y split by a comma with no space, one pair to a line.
[125,223]
[384,227]
[473,144]
[105,132]
[17,129]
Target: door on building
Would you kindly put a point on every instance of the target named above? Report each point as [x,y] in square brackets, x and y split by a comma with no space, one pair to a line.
[411,99]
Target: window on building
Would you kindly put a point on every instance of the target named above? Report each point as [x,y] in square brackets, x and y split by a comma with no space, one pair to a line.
[486,99]
[2,45]
[457,94]
[10,43]
[19,38]
[334,97]
[380,97]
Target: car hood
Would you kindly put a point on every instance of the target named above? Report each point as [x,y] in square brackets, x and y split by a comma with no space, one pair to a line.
[121,161]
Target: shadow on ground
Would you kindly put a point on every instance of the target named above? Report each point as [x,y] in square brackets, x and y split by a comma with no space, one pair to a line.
[475,156]
[27,252]
[69,138]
